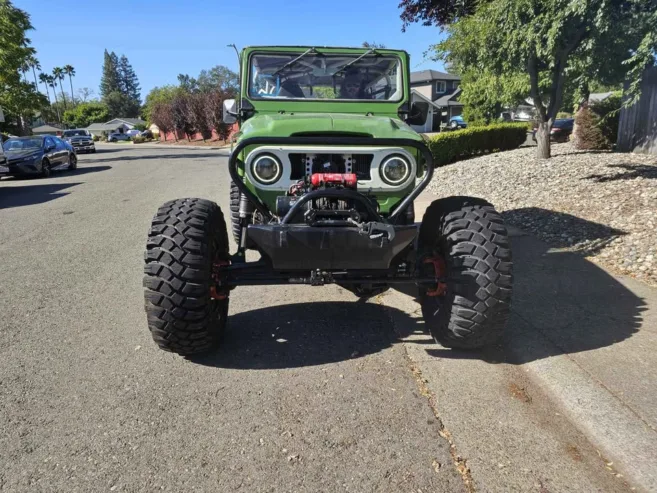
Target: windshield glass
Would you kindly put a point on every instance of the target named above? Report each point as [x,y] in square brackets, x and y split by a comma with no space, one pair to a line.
[315,76]
[75,133]
[21,144]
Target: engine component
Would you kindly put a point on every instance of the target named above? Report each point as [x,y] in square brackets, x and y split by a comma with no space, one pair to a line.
[348,180]
[285,203]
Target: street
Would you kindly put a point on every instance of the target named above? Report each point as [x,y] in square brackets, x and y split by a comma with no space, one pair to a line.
[312,389]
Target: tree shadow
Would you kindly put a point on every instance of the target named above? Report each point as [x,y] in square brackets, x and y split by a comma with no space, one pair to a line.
[561,230]
[631,171]
[20,196]
[305,334]
[562,304]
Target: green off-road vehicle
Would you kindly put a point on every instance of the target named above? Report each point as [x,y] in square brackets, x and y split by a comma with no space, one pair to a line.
[324,173]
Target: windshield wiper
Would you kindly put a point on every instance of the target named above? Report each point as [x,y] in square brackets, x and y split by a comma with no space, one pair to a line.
[347,65]
[292,62]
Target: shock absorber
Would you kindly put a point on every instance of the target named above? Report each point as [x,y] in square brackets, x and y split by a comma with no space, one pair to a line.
[245,212]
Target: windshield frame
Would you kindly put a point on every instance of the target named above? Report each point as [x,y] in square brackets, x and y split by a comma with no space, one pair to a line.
[400,75]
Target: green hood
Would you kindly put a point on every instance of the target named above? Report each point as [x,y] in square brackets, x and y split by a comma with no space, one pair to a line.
[299,124]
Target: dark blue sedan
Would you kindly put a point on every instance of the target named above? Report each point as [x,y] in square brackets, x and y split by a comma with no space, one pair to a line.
[37,155]
[457,122]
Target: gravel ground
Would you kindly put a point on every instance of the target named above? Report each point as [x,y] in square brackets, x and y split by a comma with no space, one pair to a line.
[601,204]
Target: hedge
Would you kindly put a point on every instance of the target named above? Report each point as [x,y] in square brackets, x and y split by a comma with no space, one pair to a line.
[448,147]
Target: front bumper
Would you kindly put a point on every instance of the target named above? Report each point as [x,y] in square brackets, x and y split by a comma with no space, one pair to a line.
[83,147]
[301,247]
[26,168]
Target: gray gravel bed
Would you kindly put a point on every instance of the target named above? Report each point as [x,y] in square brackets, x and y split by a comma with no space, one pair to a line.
[601,204]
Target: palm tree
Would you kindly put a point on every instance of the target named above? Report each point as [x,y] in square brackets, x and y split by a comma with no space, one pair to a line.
[52,82]
[25,67]
[43,78]
[58,74]
[35,65]
[70,71]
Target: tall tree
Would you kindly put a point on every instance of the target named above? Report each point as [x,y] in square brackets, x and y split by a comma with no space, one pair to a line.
[217,78]
[109,81]
[543,41]
[70,71]
[34,65]
[43,78]
[52,82]
[128,81]
[58,75]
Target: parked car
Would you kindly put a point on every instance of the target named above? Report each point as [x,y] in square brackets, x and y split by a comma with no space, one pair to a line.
[80,139]
[37,155]
[457,122]
[560,131]
[115,137]
[147,134]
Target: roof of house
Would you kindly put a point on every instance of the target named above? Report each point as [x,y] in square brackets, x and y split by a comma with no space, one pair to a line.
[429,75]
[129,121]
[45,129]
[424,98]
[599,96]
[101,127]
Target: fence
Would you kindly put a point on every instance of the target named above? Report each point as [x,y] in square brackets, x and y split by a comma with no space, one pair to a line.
[637,129]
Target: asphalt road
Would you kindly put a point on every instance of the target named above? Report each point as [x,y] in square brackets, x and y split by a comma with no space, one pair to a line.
[311,391]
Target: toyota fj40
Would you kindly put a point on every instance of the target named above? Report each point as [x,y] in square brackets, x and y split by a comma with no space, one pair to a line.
[324,170]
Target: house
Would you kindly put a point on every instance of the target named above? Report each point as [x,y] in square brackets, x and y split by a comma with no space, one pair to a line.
[440,91]
[116,125]
[46,130]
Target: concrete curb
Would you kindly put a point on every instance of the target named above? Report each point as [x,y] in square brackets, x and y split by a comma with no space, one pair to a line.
[601,415]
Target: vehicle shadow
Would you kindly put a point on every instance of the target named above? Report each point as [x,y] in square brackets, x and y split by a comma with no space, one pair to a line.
[20,196]
[558,295]
[83,169]
[141,157]
[561,297]
[305,334]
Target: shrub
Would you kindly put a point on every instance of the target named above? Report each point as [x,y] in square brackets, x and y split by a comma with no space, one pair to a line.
[95,138]
[563,114]
[138,139]
[448,147]
[596,125]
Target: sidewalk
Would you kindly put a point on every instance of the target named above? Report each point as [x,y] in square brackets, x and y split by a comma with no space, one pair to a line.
[154,145]
[585,340]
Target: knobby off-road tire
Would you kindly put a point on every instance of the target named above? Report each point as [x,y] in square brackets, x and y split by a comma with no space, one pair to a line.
[186,237]
[473,241]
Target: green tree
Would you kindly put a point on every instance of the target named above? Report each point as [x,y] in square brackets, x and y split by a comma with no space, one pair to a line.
[109,81]
[85,114]
[70,71]
[34,65]
[128,82]
[43,78]
[17,97]
[157,95]
[58,76]
[218,78]
[549,43]
[52,82]
[121,106]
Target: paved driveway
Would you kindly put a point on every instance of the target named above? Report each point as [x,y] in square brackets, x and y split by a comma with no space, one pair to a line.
[312,390]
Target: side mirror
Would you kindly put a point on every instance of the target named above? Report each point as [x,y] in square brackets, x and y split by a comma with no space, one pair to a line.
[230,111]
[418,114]
[49,148]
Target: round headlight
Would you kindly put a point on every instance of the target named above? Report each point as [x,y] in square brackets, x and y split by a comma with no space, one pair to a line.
[266,169]
[395,170]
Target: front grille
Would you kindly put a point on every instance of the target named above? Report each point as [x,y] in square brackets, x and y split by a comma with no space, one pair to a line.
[298,162]
[360,164]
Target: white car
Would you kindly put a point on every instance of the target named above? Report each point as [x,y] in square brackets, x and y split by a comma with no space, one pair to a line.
[115,137]
[133,133]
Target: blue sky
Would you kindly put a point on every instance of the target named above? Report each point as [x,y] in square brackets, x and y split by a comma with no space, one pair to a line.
[162,39]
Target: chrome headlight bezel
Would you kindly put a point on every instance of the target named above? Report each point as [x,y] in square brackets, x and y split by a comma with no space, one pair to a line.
[258,177]
[387,162]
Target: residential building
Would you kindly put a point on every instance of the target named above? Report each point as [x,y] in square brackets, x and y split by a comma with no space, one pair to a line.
[116,125]
[440,91]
